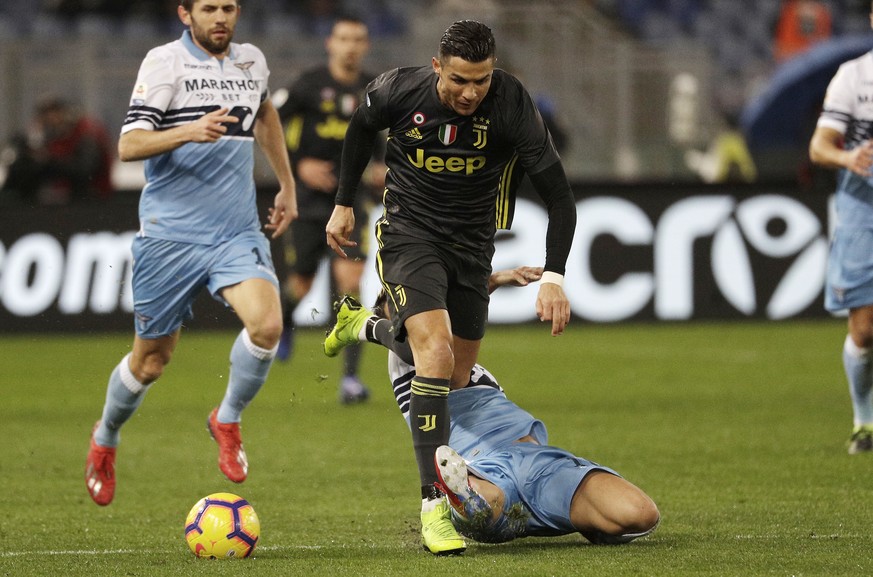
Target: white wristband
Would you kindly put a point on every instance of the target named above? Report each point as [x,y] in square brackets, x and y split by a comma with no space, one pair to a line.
[552,277]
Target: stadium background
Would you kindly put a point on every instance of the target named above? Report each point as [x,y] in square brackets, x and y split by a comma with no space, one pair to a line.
[636,86]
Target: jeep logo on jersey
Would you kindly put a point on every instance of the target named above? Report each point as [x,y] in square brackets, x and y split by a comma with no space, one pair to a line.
[467,165]
[448,133]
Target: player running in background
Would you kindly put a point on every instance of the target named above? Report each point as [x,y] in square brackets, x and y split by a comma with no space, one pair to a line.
[843,139]
[315,115]
[498,471]
[198,105]
[460,132]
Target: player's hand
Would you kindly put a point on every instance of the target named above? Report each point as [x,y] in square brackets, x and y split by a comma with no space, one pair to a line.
[339,228]
[211,126]
[552,305]
[518,276]
[861,159]
[283,211]
[317,174]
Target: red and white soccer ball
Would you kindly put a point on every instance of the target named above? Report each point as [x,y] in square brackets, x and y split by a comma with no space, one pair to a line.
[222,526]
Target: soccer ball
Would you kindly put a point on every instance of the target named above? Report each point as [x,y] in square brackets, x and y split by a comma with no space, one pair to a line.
[222,526]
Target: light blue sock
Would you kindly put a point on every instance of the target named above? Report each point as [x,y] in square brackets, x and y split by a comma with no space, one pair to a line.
[249,366]
[124,394]
[856,361]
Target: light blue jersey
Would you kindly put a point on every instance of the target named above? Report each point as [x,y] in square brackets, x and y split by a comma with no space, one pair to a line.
[200,193]
[537,480]
[848,109]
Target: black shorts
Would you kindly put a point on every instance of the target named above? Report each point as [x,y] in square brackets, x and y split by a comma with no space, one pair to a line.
[421,276]
[306,243]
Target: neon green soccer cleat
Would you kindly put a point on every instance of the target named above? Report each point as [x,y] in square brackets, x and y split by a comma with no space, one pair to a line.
[438,535]
[350,318]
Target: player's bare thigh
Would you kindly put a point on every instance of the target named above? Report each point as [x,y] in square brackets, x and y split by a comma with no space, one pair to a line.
[610,504]
[256,302]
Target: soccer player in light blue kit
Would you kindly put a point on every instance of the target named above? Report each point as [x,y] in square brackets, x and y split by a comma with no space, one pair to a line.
[500,475]
[842,140]
[198,106]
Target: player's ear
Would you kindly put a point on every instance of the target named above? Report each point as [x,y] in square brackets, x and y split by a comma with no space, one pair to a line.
[435,62]
[184,15]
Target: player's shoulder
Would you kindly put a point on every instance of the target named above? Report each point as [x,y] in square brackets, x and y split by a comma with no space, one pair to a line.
[247,51]
[505,86]
[168,51]
[853,73]
[482,377]
[403,79]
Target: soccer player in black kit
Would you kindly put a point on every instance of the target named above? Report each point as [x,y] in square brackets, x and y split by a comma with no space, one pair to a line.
[460,134]
[315,116]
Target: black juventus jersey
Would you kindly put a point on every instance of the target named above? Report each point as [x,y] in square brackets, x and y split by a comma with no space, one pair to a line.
[450,177]
[316,116]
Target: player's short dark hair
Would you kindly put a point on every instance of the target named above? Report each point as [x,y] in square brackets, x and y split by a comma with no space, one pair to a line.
[469,40]
[380,305]
[189,4]
[348,17]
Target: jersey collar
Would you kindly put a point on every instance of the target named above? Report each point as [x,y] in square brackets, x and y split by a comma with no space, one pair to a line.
[198,52]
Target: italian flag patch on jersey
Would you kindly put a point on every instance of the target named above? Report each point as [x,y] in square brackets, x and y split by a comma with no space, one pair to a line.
[448,133]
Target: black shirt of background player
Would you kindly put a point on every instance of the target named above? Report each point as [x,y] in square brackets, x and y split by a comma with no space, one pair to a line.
[316,116]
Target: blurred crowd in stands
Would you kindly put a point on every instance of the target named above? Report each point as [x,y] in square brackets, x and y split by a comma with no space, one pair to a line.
[747,40]
[26,17]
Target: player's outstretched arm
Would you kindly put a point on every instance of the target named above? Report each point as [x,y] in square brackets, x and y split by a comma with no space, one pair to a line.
[518,276]
[141,144]
[552,186]
[269,135]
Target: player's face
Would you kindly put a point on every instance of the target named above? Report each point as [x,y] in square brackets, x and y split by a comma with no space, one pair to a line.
[348,44]
[462,85]
[212,23]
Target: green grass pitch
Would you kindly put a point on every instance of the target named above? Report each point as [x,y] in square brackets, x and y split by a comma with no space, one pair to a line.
[737,430]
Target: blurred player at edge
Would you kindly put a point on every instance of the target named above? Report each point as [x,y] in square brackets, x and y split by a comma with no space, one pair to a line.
[460,133]
[315,116]
[842,140]
[198,105]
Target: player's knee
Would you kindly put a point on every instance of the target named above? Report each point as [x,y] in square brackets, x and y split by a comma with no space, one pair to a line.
[150,368]
[644,516]
[631,520]
[435,356]
[266,333]
[635,512]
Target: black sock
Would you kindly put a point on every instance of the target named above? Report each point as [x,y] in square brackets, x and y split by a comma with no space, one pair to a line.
[381,331]
[351,360]
[429,419]
[430,492]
